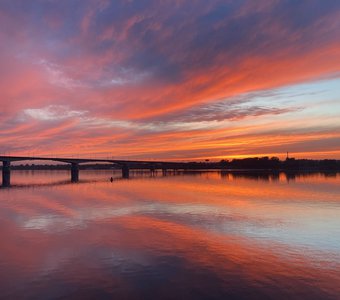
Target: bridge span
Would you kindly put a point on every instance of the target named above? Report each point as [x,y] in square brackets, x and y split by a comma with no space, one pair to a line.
[124,165]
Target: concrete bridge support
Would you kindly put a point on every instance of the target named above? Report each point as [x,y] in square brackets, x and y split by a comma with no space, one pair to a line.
[125,171]
[164,171]
[74,172]
[6,173]
[152,170]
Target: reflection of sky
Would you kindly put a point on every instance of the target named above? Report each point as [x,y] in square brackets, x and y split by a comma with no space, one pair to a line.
[211,231]
[311,228]
[283,214]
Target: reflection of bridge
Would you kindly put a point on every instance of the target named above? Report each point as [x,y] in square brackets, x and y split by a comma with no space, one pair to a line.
[125,165]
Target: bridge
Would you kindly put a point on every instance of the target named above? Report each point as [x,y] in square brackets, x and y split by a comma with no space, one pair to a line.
[124,165]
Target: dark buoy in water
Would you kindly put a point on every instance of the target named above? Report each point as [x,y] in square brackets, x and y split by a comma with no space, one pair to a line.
[111,179]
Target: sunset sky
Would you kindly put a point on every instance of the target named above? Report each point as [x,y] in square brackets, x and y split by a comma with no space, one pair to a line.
[172,80]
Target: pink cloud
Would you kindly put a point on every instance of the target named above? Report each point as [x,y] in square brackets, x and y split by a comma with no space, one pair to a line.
[131,68]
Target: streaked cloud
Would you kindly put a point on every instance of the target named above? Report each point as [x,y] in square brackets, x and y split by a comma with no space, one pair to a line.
[168,79]
[52,112]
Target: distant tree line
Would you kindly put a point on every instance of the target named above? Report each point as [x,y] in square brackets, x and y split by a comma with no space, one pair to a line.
[274,163]
[270,163]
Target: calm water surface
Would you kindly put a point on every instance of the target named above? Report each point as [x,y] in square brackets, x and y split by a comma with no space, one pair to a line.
[197,235]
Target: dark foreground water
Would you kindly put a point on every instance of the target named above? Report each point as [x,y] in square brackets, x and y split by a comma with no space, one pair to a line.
[190,236]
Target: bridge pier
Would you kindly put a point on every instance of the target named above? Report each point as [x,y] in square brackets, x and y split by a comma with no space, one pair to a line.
[74,172]
[125,171]
[164,171]
[152,170]
[6,173]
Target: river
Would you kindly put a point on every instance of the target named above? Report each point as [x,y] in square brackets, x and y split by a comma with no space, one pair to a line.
[191,235]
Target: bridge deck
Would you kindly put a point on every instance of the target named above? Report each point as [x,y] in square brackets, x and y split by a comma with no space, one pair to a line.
[83,160]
